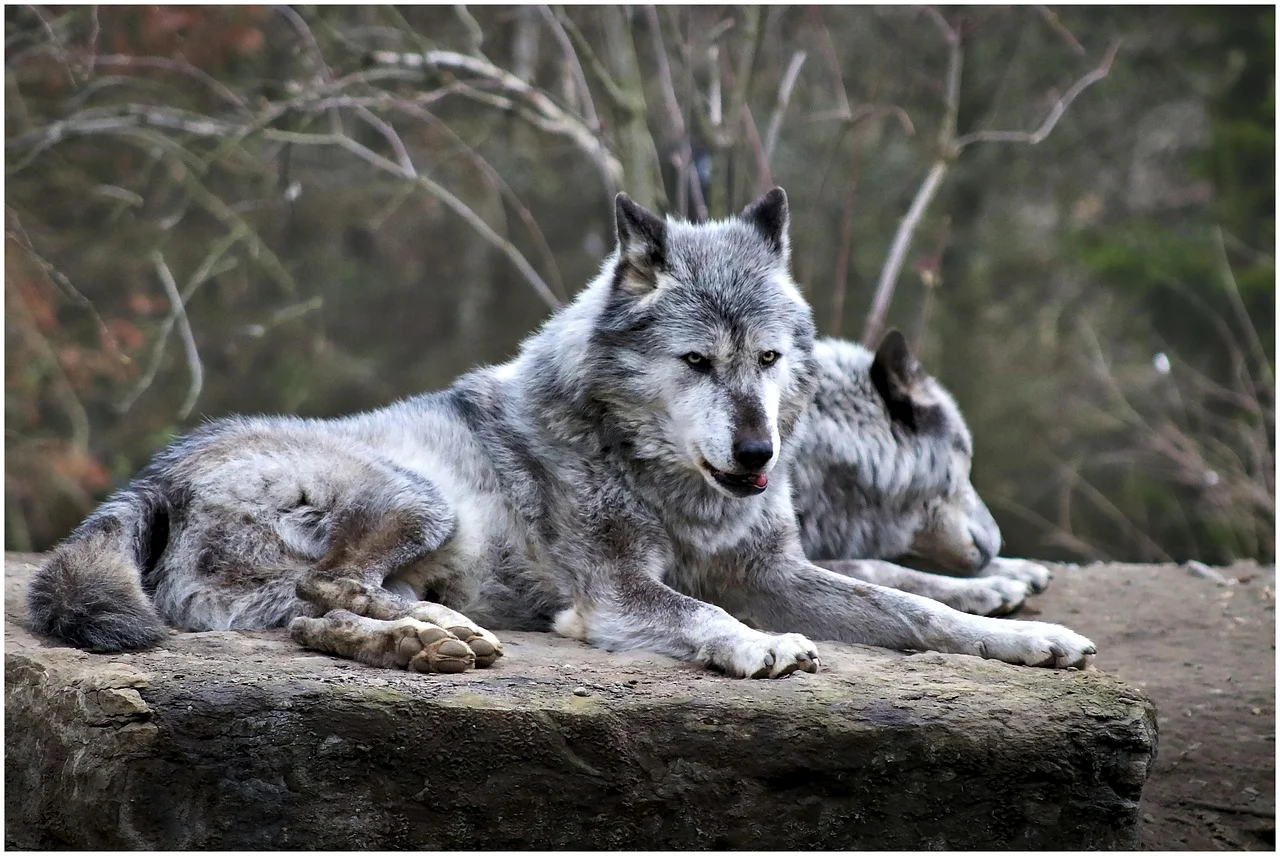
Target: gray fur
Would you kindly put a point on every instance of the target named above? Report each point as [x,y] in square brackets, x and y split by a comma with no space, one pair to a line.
[881,471]
[592,485]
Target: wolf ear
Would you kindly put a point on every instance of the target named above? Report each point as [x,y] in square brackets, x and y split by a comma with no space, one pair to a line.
[895,373]
[642,239]
[770,217]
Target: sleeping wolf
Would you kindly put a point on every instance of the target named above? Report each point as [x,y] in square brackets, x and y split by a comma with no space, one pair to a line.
[623,480]
[881,470]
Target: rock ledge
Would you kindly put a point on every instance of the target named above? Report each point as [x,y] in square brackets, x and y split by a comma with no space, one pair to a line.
[242,741]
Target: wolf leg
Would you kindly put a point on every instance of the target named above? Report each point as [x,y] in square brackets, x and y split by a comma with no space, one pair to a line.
[377,535]
[640,612]
[375,602]
[796,595]
[404,643]
[994,595]
[1035,575]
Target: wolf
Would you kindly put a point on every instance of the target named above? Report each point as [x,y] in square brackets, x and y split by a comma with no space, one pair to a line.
[882,470]
[622,481]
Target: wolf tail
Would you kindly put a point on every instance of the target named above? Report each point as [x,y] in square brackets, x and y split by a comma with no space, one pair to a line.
[89,593]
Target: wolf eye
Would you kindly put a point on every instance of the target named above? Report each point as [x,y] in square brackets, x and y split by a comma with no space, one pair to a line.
[697,361]
[768,358]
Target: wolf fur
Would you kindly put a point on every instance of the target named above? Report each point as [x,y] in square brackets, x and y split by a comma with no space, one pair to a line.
[624,481]
[881,471]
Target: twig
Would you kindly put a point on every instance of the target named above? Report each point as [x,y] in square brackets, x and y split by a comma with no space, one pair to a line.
[1056,112]
[784,98]
[575,65]
[457,205]
[620,99]
[184,331]
[928,189]
[1237,305]
[180,66]
[949,148]
[765,180]
[554,120]
[1051,18]
[197,279]
[846,239]
[475,34]
[62,388]
[686,175]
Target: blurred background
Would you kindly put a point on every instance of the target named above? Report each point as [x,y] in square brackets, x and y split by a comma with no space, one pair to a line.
[1070,212]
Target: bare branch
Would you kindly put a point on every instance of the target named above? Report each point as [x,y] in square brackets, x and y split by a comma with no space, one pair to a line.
[62,388]
[898,252]
[180,66]
[621,99]
[184,331]
[784,98]
[197,279]
[686,175]
[475,34]
[1051,18]
[1055,113]
[554,120]
[765,180]
[575,66]
[1237,305]
[833,62]
[888,281]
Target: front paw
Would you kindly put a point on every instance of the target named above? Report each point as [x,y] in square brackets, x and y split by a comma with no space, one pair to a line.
[761,655]
[1037,643]
[989,596]
[1035,575]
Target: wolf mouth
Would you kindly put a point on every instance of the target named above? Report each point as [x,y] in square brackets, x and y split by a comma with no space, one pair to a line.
[738,484]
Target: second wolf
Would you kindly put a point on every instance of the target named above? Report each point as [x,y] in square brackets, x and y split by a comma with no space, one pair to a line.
[624,480]
[881,471]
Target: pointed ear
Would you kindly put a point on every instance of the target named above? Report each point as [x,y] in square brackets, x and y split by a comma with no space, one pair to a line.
[642,237]
[894,373]
[771,219]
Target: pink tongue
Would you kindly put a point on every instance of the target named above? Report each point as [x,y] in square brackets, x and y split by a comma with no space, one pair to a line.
[760,480]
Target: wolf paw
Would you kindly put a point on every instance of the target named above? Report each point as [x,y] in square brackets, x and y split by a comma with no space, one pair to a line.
[405,643]
[482,643]
[991,596]
[1036,643]
[422,647]
[1035,575]
[763,656]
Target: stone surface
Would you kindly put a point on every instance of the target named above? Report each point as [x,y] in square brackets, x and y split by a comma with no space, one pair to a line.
[243,741]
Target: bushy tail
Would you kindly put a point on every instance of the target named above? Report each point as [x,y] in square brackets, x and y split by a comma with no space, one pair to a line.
[89,593]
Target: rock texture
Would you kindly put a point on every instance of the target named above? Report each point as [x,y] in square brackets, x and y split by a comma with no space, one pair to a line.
[242,741]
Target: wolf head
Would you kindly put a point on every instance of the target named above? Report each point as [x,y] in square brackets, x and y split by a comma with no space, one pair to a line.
[702,352]
[882,467]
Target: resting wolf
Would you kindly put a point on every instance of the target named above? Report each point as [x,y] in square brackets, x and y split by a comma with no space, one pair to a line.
[881,470]
[623,480]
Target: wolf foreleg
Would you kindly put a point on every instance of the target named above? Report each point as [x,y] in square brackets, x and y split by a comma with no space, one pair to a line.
[640,612]
[803,597]
[985,595]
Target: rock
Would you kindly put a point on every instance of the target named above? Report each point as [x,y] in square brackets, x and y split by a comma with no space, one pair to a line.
[244,741]
[1204,572]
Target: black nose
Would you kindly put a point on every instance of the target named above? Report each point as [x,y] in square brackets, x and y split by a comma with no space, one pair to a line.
[753,453]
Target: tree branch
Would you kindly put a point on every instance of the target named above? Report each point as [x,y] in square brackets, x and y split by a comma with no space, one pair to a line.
[1056,112]
[184,331]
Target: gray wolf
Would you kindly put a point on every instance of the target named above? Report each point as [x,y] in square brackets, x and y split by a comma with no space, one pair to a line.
[623,481]
[881,471]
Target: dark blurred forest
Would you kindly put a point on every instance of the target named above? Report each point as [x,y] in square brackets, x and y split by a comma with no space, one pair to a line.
[1070,211]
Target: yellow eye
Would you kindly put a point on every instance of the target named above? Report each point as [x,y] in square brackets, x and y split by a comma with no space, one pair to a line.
[768,358]
[695,359]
